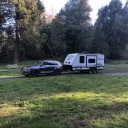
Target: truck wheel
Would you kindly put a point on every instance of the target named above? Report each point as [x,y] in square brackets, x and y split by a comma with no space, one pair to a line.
[35,73]
[57,72]
[49,74]
[27,75]
[90,71]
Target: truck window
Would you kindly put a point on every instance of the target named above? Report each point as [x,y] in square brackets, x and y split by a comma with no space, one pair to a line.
[81,59]
[91,60]
[45,63]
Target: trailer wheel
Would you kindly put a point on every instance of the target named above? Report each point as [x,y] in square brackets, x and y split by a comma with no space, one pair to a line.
[94,71]
[81,71]
[90,71]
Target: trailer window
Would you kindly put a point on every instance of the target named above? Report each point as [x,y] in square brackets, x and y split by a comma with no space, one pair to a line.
[91,60]
[81,59]
[70,56]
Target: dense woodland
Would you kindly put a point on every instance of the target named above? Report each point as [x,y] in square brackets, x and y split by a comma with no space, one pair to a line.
[27,32]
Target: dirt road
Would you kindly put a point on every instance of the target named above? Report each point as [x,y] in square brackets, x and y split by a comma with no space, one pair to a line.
[121,70]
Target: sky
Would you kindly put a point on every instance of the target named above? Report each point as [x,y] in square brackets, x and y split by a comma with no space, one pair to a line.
[54,6]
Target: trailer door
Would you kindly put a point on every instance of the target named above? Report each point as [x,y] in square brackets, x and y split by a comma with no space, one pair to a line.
[91,60]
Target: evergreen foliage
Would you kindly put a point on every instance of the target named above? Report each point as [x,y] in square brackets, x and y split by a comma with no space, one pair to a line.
[110,22]
[69,30]
[24,19]
[27,31]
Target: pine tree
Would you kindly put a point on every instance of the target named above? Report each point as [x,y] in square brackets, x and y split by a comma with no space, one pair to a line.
[75,20]
[125,28]
[110,22]
[22,20]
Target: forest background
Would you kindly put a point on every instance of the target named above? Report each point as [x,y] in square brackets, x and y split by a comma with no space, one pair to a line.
[27,32]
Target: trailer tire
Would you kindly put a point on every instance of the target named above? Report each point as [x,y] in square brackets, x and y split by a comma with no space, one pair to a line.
[90,71]
[81,71]
[94,71]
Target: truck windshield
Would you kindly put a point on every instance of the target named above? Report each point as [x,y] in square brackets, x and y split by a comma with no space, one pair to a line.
[37,63]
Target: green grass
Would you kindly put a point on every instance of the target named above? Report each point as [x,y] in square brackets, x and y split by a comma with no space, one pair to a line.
[65,101]
[116,64]
[13,72]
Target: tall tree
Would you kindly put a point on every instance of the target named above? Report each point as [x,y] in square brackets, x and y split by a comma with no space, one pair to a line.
[77,20]
[125,27]
[98,44]
[74,20]
[110,22]
[22,20]
[3,17]
[32,40]
[2,21]
[76,12]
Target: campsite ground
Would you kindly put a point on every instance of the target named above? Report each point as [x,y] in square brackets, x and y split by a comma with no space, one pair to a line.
[119,70]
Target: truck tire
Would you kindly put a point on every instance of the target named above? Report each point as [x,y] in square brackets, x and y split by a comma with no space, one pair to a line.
[27,75]
[49,74]
[35,73]
[57,72]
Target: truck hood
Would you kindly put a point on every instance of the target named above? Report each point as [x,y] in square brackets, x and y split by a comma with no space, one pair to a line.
[31,66]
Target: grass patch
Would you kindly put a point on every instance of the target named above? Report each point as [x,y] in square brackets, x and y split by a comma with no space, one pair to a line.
[116,64]
[13,72]
[64,101]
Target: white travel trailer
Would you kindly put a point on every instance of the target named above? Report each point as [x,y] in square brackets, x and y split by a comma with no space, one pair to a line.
[82,62]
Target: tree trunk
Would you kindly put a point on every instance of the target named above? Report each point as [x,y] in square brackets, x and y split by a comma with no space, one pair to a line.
[17,43]
[16,52]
